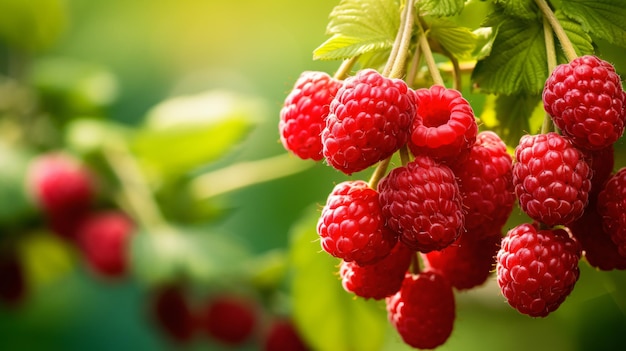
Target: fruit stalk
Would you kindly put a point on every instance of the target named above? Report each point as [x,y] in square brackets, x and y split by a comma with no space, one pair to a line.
[566,44]
[428,55]
[547,125]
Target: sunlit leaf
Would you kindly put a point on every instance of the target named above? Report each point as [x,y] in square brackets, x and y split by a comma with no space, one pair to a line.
[601,18]
[458,41]
[184,133]
[513,116]
[89,135]
[583,44]
[517,62]
[46,257]
[358,27]
[440,8]
[329,317]
[526,9]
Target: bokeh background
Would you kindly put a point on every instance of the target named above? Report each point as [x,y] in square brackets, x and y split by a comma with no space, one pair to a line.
[146,51]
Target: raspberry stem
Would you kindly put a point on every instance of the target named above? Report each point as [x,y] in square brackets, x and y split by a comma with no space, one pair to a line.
[428,55]
[547,125]
[398,43]
[344,70]
[134,186]
[399,62]
[379,173]
[414,68]
[566,44]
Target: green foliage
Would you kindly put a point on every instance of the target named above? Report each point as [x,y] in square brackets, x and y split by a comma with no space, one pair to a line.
[330,318]
[583,44]
[440,8]
[526,9]
[512,116]
[184,133]
[517,60]
[358,27]
[15,204]
[458,41]
[33,25]
[601,18]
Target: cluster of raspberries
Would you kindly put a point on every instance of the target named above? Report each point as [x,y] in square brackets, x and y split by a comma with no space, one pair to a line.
[448,202]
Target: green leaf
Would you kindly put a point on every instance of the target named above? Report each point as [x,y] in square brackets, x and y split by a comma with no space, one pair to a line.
[184,133]
[329,317]
[33,25]
[517,62]
[358,27]
[170,253]
[87,135]
[526,9]
[601,18]
[512,116]
[15,204]
[583,44]
[440,8]
[458,41]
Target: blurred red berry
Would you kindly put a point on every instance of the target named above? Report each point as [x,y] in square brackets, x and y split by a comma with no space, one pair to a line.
[172,313]
[283,335]
[229,319]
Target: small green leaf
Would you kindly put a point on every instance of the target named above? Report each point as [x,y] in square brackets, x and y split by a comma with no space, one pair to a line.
[184,133]
[583,44]
[440,8]
[517,62]
[526,9]
[485,37]
[88,135]
[512,116]
[601,18]
[358,27]
[329,317]
[458,41]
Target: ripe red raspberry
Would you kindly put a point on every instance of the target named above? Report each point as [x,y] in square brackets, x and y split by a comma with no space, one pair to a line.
[612,208]
[586,101]
[537,269]
[379,280]
[598,249]
[551,178]
[172,313]
[468,262]
[352,226]
[368,121]
[104,239]
[283,335]
[13,285]
[230,319]
[444,126]
[601,163]
[423,311]
[60,184]
[303,115]
[422,203]
[486,183]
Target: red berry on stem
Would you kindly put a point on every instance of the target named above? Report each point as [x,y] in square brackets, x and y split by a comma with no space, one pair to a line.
[352,226]
[537,269]
[304,112]
[486,184]
[229,319]
[586,101]
[172,313]
[423,311]
[444,126]
[551,178]
[104,239]
[368,121]
[612,208]
[422,202]
[283,335]
[379,280]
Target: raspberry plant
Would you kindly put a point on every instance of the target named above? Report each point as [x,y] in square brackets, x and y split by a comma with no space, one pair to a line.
[447,190]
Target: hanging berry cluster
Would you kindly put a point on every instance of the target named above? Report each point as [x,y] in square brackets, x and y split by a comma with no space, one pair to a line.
[431,220]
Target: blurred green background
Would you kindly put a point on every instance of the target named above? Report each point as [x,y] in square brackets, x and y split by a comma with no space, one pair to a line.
[156,49]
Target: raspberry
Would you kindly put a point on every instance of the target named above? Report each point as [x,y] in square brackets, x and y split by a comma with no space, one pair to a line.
[13,278]
[283,336]
[60,184]
[551,179]
[601,163]
[422,202]
[230,319]
[104,239]
[612,208]
[468,261]
[444,126]
[537,269]
[303,115]
[423,311]
[352,226]
[598,248]
[379,280]
[586,101]
[486,184]
[172,313]
[368,121]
